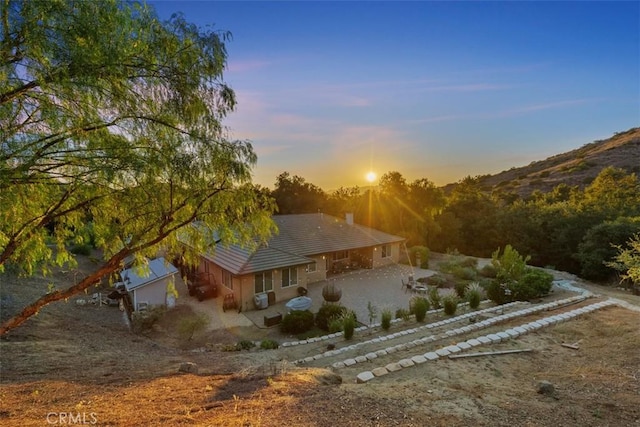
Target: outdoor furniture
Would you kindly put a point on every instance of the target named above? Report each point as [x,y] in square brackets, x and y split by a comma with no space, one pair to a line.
[420,289]
[272,319]
[229,302]
[298,303]
[406,286]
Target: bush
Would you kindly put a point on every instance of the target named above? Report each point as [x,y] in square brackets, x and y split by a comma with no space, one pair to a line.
[269,344]
[474,295]
[349,324]
[143,320]
[403,314]
[464,273]
[327,313]
[189,325]
[423,253]
[496,292]
[420,307]
[450,303]
[335,325]
[534,283]
[296,322]
[488,271]
[469,262]
[437,280]
[385,319]
[434,298]
[245,345]
[461,289]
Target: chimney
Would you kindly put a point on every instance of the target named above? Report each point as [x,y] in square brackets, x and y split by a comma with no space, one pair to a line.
[349,218]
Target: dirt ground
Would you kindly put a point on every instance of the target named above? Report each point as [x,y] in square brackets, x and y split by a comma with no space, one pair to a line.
[75,364]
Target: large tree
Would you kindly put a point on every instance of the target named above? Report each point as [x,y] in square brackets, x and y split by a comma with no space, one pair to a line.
[112,118]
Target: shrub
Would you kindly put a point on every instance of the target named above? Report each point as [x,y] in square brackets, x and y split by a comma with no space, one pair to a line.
[461,289]
[496,292]
[468,262]
[488,271]
[474,295]
[403,314]
[423,253]
[420,307]
[245,345]
[269,344]
[143,320]
[533,283]
[450,303]
[464,273]
[434,298]
[335,325]
[296,322]
[385,319]
[349,324]
[437,280]
[189,325]
[328,312]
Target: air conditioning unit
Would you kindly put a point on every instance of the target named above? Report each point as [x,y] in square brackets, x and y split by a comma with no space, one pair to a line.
[261,301]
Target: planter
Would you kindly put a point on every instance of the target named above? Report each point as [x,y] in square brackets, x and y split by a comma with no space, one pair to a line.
[331,293]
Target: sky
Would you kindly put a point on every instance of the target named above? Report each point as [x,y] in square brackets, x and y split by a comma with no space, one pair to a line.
[331,91]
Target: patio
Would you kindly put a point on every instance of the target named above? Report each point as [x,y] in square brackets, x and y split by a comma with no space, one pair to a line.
[382,287]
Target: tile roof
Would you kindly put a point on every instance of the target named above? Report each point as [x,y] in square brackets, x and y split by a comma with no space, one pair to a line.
[299,237]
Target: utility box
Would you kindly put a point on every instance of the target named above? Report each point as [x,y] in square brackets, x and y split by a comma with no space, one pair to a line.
[273,319]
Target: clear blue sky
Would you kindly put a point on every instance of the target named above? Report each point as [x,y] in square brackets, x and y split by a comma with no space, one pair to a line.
[437,90]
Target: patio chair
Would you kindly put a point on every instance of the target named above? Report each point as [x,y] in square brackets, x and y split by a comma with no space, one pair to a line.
[406,286]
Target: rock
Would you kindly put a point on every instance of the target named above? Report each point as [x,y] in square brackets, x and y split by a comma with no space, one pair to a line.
[188,367]
[365,376]
[546,388]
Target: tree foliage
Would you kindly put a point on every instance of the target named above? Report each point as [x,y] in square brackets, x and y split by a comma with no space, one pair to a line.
[627,261]
[112,118]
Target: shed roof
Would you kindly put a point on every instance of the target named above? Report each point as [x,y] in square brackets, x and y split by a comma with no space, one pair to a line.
[299,237]
[157,269]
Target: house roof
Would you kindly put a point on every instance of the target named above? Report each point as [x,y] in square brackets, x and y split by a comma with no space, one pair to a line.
[157,269]
[299,237]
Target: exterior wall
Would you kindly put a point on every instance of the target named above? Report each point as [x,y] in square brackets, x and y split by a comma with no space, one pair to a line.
[378,261]
[246,288]
[321,269]
[153,294]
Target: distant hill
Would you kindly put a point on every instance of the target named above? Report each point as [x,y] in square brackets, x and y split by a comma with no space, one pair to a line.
[575,168]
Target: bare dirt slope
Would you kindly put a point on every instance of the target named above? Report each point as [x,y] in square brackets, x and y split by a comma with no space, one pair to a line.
[82,363]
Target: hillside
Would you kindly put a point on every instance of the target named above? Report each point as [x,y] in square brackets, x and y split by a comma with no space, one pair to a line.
[575,168]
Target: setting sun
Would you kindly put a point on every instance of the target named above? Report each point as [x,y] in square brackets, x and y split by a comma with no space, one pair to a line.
[371,176]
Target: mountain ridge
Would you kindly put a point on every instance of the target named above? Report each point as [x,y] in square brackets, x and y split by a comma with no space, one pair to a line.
[574,168]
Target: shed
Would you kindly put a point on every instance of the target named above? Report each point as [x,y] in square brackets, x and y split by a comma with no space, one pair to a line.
[149,286]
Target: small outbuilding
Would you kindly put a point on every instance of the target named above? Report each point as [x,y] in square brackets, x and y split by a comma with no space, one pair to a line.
[152,285]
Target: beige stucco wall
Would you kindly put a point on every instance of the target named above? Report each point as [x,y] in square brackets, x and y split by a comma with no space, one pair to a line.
[377,259]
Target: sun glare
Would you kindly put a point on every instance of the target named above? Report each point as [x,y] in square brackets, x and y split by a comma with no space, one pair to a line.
[371,176]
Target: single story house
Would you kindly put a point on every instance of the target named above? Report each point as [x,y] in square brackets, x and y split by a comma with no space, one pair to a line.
[307,248]
[150,286]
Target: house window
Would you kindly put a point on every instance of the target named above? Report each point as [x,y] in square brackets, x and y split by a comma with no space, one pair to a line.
[227,279]
[289,277]
[386,251]
[311,268]
[340,255]
[263,282]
